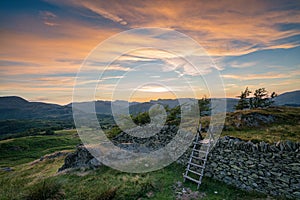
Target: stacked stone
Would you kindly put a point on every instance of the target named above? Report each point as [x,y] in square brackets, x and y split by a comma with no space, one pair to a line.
[268,168]
[152,143]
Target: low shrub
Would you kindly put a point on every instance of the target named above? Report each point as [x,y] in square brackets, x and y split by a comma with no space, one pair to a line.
[46,190]
[108,194]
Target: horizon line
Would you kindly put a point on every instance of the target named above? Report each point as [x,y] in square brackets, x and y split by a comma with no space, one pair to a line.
[41,101]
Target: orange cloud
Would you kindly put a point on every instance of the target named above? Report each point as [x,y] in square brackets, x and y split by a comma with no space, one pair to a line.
[217,25]
[223,28]
[49,54]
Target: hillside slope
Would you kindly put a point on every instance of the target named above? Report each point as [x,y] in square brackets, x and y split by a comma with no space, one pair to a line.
[14,107]
[289,99]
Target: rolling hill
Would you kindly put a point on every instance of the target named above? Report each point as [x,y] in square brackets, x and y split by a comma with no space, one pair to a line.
[13,107]
[289,99]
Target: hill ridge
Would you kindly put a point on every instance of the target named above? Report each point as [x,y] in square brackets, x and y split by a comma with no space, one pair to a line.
[15,107]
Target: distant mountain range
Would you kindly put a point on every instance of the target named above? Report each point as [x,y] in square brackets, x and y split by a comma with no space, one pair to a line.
[13,107]
[289,99]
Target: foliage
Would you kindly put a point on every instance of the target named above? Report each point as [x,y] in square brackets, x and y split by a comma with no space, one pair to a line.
[141,118]
[204,106]
[21,128]
[243,102]
[113,132]
[260,99]
[48,189]
[13,128]
[173,115]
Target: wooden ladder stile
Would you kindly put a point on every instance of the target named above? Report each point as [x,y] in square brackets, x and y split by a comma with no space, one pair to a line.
[198,158]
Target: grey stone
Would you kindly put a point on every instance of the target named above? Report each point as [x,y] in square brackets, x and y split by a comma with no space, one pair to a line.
[296,194]
[276,174]
[7,169]
[81,158]
[254,184]
[261,173]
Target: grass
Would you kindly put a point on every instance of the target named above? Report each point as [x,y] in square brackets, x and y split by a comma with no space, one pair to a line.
[41,179]
[286,125]
[270,134]
[16,184]
[25,149]
[45,190]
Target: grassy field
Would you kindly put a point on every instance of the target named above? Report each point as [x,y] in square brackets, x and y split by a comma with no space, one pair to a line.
[25,149]
[271,134]
[40,180]
[286,125]
[33,181]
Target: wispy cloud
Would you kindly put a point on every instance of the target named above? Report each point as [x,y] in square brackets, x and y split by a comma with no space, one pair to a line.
[49,18]
[237,29]
[104,13]
[236,64]
[57,39]
[93,67]
[112,77]
[153,88]
[269,75]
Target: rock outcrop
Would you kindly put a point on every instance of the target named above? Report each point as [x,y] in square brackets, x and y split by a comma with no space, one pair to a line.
[81,158]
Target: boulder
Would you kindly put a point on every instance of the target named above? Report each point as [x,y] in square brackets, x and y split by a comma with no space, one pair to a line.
[81,158]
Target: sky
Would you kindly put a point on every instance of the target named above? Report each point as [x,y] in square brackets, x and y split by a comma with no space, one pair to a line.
[45,43]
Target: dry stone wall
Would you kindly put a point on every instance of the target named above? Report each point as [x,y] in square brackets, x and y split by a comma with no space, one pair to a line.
[268,168]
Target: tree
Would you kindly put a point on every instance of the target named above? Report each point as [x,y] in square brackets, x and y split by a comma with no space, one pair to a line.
[49,132]
[142,118]
[173,115]
[204,106]
[261,99]
[273,95]
[243,101]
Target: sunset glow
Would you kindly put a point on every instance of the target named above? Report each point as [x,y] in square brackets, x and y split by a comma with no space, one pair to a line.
[44,43]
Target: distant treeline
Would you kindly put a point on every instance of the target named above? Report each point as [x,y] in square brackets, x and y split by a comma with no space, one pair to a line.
[12,128]
[20,128]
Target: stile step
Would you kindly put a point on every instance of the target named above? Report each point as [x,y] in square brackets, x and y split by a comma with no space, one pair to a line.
[201,143]
[192,179]
[199,158]
[194,172]
[199,151]
[196,165]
